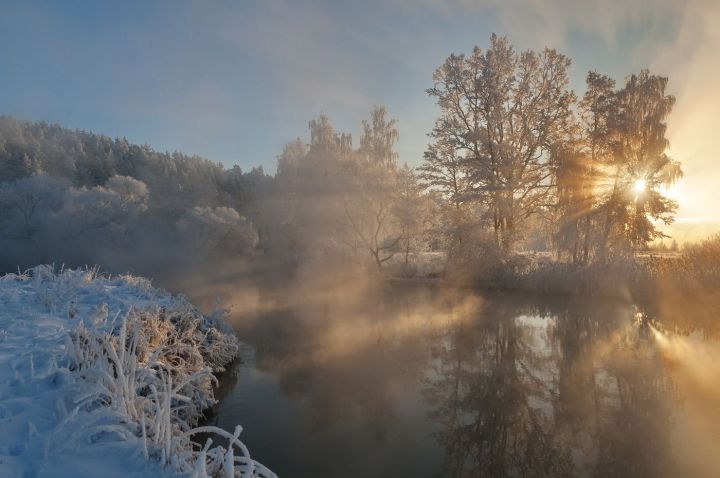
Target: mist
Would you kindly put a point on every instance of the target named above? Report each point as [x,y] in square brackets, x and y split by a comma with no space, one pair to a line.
[417,254]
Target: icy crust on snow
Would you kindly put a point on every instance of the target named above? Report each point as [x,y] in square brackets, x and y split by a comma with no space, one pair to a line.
[106,377]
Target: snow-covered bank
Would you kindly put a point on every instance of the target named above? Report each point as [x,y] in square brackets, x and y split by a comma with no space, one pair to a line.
[107,377]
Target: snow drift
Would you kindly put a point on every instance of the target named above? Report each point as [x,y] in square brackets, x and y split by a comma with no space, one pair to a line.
[105,376]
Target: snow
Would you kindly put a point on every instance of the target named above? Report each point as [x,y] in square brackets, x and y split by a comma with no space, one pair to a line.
[106,377]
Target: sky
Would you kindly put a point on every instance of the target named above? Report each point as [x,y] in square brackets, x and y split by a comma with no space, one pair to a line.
[235,80]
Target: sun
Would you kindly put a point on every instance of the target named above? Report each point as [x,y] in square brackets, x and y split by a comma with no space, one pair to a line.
[639,186]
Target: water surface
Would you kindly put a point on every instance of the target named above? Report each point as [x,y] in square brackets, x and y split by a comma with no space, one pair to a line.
[423,382]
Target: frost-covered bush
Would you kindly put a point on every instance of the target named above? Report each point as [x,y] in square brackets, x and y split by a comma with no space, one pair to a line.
[218,229]
[418,265]
[613,280]
[129,189]
[28,206]
[46,219]
[477,257]
[156,369]
[151,370]
[702,260]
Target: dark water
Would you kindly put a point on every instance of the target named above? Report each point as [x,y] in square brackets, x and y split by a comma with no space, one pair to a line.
[426,382]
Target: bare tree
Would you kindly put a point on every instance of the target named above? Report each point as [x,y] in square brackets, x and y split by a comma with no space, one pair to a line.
[501,113]
[369,202]
[444,171]
[413,210]
[335,200]
[582,163]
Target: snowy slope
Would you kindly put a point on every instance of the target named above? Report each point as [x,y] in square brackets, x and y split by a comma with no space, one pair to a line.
[105,377]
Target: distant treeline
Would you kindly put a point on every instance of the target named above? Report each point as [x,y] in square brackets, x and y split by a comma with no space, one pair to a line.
[74,197]
[176,181]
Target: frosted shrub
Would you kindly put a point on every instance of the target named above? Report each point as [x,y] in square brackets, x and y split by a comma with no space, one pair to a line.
[151,365]
[218,229]
[152,372]
[701,260]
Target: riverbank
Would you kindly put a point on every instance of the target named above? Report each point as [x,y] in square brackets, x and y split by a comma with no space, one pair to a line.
[107,377]
[636,278]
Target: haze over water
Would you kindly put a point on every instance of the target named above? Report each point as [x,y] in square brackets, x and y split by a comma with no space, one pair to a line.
[423,381]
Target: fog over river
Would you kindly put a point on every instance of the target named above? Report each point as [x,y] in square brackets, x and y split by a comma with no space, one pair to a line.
[424,381]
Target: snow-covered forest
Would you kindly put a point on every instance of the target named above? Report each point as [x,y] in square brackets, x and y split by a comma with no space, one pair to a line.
[78,198]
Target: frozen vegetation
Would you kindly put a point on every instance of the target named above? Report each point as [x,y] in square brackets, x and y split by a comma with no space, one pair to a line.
[105,376]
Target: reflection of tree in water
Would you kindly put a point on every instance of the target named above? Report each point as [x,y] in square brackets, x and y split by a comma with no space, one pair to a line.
[634,430]
[613,400]
[594,402]
[488,403]
[525,387]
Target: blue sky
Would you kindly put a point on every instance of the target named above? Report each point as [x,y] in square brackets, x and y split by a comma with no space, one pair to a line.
[234,80]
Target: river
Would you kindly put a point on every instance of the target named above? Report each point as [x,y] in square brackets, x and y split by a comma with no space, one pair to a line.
[425,381]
